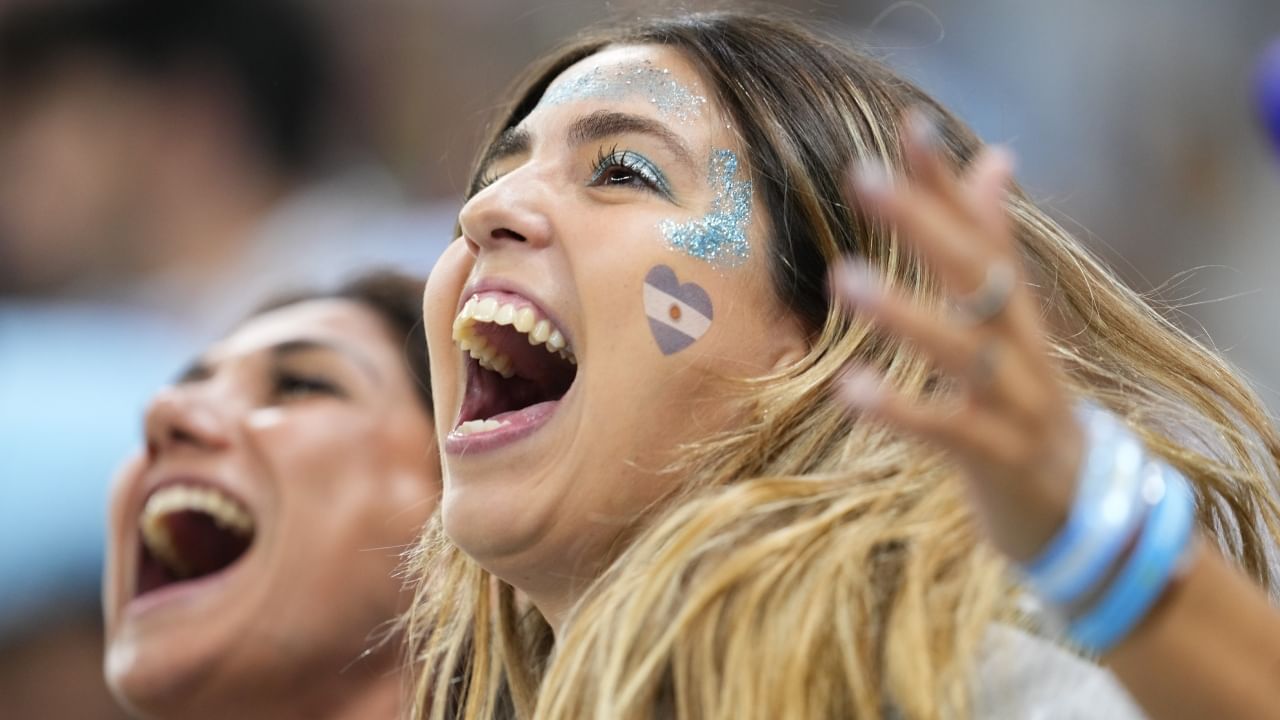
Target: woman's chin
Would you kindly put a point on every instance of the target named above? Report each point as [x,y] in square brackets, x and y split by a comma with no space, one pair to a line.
[167,648]
[160,677]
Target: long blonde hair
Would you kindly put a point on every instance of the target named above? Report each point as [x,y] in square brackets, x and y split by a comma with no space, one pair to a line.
[815,565]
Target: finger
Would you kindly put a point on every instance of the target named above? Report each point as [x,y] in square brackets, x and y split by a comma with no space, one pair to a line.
[942,237]
[948,345]
[964,429]
[985,192]
[989,367]
[930,169]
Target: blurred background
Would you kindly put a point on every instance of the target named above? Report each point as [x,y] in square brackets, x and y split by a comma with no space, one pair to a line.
[159,177]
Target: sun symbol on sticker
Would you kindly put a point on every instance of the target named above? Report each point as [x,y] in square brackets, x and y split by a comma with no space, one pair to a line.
[678,313]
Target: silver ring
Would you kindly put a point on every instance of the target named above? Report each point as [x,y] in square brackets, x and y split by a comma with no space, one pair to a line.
[991,297]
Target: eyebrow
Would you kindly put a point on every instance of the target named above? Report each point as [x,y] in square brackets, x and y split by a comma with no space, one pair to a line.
[513,141]
[306,345]
[590,128]
[604,123]
[195,371]
[200,369]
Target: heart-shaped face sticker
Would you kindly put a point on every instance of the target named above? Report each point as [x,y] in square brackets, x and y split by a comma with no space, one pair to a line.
[678,314]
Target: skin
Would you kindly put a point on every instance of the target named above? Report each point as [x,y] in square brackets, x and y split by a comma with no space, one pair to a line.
[104,174]
[67,169]
[1211,646]
[545,513]
[338,481]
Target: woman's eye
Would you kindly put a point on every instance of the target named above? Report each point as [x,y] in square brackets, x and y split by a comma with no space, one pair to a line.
[618,175]
[626,168]
[289,386]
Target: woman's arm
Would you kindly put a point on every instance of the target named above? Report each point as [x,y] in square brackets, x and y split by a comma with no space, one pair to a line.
[1209,647]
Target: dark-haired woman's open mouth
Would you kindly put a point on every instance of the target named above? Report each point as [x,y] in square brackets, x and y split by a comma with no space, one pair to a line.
[191,532]
[519,367]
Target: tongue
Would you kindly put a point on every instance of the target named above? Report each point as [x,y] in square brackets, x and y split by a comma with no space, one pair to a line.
[200,545]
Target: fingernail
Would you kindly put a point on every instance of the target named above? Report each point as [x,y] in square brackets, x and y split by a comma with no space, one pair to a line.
[922,128]
[855,282]
[870,178]
[1004,158]
[861,388]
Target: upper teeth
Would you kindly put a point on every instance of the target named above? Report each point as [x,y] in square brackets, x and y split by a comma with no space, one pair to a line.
[227,512]
[526,320]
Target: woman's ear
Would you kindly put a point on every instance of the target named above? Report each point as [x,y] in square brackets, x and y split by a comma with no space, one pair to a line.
[791,343]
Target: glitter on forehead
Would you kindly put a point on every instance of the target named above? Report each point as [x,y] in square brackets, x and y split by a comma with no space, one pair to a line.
[719,237]
[644,79]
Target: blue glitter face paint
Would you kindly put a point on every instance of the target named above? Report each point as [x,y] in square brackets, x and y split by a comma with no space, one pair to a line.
[619,82]
[719,237]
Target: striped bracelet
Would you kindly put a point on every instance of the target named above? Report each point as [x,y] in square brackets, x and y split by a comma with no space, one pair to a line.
[1130,525]
[1103,516]
[1165,537]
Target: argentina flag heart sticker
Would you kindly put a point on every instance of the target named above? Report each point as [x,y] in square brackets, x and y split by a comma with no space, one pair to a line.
[678,314]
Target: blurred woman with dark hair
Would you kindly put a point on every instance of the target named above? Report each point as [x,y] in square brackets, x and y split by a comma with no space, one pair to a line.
[252,548]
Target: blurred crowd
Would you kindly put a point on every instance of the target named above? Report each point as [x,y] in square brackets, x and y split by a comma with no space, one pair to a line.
[159,178]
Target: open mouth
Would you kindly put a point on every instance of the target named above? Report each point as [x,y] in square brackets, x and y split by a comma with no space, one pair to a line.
[519,364]
[190,532]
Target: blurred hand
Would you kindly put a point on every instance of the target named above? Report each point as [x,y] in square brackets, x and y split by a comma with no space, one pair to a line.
[1011,425]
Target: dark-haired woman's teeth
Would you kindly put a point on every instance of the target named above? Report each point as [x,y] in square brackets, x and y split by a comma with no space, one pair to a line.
[526,320]
[225,510]
[471,427]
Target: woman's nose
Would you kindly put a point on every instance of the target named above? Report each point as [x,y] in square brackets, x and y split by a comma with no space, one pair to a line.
[182,416]
[509,213]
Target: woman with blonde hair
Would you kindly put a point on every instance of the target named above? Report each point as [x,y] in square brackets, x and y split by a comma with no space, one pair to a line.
[724,495]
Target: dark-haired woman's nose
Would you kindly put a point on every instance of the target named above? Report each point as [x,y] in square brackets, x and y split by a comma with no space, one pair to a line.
[509,213]
[182,416]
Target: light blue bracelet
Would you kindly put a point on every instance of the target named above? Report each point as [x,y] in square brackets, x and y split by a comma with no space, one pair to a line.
[1155,558]
[1106,511]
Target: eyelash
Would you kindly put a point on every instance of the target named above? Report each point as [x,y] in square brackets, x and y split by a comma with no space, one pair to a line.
[641,169]
[488,178]
[650,177]
[289,386]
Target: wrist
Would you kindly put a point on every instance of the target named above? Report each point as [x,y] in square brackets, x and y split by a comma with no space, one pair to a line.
[1126,536]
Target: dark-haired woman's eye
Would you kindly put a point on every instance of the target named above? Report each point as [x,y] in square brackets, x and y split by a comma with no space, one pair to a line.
[292,386]
[487,178]
[625,168]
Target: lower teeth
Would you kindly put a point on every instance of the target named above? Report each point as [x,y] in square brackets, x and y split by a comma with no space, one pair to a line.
[476,426]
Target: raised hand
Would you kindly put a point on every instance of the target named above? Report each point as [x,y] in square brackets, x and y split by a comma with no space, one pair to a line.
[1011,424]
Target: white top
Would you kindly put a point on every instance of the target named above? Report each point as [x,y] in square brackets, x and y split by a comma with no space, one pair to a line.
[1024,677]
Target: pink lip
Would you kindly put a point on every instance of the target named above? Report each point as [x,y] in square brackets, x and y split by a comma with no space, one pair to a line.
[197,481]
[502,285]
[519,425]
[140,605]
